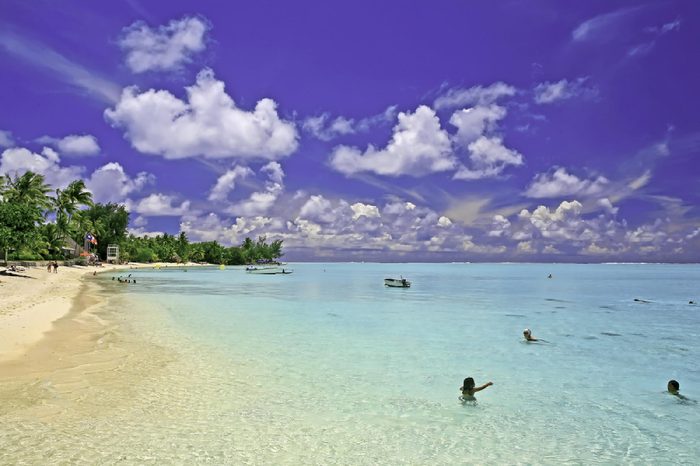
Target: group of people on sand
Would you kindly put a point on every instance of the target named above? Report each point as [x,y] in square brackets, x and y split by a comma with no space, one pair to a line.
[469,387]
[52,267]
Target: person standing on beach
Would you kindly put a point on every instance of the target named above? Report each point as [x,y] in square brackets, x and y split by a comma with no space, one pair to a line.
[49,266]
[55,267]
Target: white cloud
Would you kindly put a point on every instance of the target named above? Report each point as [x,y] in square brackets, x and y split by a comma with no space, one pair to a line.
[140,221]
[488,157]
[227,182]
[444,222]
[561,183]
[76,145]
[364,210]
[79,145]
[274,172]
[640,181]
[164,49]
[325,128]
[260,202]
[548,92]
[321,127]
[477,95]
[158,204]
[602,27]
[418,147]
[657,31]
[208,124]
[6,139]
[110,183]
[607,206]
[318,208]
[500,226]
[17,160]
[474,122]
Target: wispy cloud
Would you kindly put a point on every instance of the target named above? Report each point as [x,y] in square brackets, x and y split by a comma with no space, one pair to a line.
[600,27]
[656,32]
[547,92]
[42,56]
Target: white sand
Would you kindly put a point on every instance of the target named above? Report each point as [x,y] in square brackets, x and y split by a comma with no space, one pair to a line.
[32,301]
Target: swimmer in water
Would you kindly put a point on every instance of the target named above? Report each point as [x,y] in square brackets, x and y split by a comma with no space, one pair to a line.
[674,389]
[468,389]
[528,335]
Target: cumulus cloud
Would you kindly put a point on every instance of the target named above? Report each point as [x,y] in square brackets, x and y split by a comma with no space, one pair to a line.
[549,92]
[158,204]
[18,160]
[6,139]
[364,210]
[73,145]
[419,146]
[163,49]
[488,157]
[561,183]
[260,202]
[110,183]
[607,206]
[227,182]
[475,121]
[208,124]
[477,95]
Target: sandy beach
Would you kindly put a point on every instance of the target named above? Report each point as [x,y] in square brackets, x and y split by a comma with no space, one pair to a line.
[33,299]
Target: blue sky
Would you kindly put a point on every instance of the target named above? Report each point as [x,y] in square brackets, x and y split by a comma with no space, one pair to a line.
[440,131]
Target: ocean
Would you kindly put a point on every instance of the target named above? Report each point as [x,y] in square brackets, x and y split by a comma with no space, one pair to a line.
[329,366]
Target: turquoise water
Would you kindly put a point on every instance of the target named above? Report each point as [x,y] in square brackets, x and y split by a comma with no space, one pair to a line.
[327,366]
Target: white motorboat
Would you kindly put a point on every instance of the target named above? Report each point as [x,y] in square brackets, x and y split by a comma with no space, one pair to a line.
[268,270]
[397,282]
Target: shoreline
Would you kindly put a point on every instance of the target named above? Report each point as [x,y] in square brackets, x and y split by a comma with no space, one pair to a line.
[34,300]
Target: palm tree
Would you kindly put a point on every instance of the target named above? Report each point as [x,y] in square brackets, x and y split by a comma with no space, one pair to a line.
[51,239]
[29,189]
[67,202]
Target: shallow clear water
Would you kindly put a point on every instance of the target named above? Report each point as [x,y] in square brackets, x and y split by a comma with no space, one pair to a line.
[327,366]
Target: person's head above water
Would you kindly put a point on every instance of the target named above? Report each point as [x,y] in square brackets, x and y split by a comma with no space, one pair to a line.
[673,386]
[527,333]
[468,384]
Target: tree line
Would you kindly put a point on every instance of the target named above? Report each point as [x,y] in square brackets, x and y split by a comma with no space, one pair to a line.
[37,223]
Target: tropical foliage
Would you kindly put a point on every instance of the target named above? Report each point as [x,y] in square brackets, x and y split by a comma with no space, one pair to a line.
[37,225]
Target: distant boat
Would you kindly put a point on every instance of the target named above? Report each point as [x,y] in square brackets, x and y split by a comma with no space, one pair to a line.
[268,270]
[397,282]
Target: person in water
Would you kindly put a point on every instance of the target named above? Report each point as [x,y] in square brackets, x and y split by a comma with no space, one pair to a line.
[468,389]
[528,335]
[674,389]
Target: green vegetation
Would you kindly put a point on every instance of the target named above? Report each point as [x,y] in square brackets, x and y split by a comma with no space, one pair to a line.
[26,233]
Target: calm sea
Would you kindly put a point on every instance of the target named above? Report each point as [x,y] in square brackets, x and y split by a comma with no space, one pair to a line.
[327,366]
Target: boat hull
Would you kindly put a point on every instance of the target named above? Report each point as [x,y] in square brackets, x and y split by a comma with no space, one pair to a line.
[397,283]
[268,271]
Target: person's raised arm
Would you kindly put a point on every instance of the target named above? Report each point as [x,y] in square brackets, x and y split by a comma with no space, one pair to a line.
[487,384]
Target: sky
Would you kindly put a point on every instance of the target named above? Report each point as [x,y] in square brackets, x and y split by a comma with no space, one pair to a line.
[539,131]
